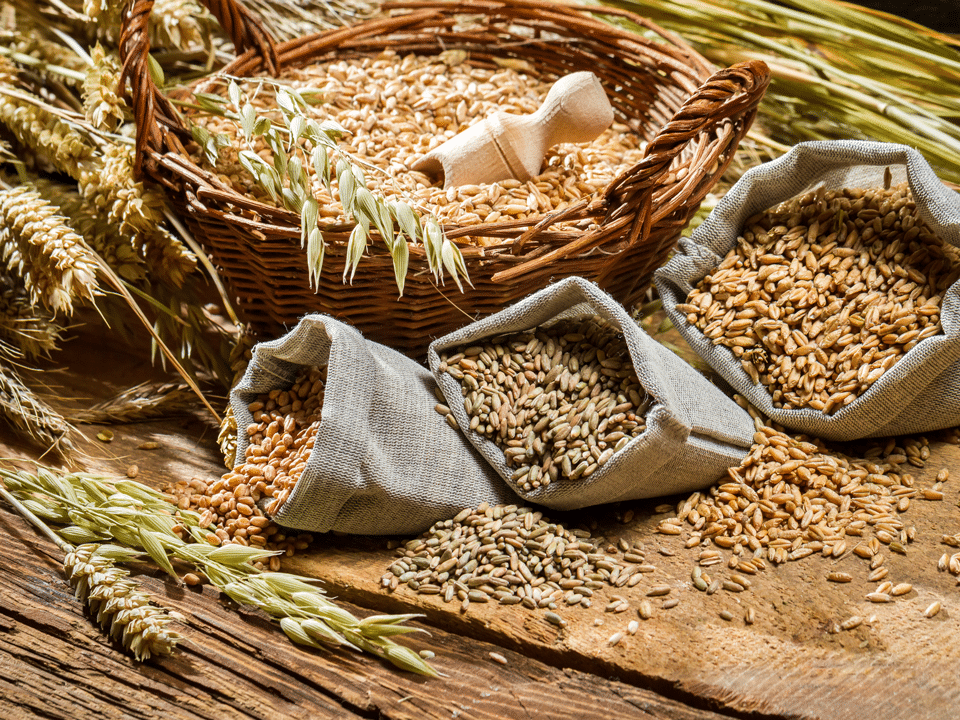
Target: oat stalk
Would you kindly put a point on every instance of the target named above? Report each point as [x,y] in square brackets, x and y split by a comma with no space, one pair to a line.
[137,517]
[302,144]
[127,613]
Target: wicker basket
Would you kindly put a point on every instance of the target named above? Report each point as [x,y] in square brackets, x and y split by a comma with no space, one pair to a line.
[692,122]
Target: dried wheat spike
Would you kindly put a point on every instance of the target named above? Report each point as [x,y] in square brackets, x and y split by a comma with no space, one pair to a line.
[22,323]
[227,438]
[37,244]
[93,226]
[178,24]
[102,106]
[119,606]
[110,187]
[30,416]
[145,401]
[54,144]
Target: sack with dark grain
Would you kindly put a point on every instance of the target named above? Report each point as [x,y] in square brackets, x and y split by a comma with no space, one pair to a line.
[575,405]
[357,447]
[836,313]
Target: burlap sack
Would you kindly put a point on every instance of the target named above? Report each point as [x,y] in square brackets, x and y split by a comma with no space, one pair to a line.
[694,432]
[384,462]
[921,392]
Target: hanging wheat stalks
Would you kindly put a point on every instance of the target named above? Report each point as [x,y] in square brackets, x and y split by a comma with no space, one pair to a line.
[24,325]
[37,245]
[118,605]
[838,70]
[146,401]
[29,415]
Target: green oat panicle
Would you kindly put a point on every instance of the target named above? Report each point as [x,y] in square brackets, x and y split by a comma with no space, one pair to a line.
[122,609]
[36,243]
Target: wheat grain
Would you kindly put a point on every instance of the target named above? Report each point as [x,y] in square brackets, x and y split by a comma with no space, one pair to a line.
[397,109]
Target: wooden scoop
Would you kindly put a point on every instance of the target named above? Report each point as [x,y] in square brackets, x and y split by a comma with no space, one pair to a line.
[513,146]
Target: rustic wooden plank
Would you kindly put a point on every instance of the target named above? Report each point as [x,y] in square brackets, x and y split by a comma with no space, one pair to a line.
[235,663]
[787,664]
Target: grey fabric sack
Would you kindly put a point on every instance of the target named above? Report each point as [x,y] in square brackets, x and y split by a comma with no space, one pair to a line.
[921,392]
[694,432]
[384,461]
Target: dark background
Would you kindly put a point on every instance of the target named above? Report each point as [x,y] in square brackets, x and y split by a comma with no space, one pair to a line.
[942,15]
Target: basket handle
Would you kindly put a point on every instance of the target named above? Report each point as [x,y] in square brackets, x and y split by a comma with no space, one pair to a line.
[735,91]
[731,92]
[150,107]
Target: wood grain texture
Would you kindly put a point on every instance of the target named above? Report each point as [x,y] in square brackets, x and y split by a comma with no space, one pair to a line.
[234,663]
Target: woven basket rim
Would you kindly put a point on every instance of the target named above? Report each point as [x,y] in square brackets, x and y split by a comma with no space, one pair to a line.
[268,56]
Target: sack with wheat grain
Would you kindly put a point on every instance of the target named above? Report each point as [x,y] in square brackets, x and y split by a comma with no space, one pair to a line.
[381,462]
[823,288]
[575,405]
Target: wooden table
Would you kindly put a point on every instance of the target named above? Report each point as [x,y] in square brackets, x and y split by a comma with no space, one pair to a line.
[685,662]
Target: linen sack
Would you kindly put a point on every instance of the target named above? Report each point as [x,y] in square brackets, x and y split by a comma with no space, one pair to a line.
[384,461]
[693,431]
[921,392]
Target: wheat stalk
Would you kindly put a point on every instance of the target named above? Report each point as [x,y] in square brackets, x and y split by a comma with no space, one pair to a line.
[120,607]
[29,416]
[138,517]
[104,109]
[146,401]
[23,324]
[37,244]
[54,143]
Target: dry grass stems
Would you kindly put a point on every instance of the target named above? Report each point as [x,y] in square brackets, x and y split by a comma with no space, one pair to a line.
[31,417]
[138,517]
[867,75]
[559,400]
[515,556]
[146,401]
[824,293]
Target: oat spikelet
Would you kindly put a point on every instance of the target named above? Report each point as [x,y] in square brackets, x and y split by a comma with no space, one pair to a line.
[178,24]
[94,227]
[29,415]
[145,401]
[119,606]
[38,245]
[53,142]
[110,187]
[22,323]
[102,106]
